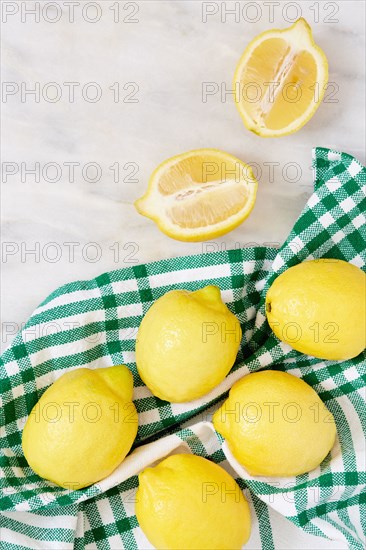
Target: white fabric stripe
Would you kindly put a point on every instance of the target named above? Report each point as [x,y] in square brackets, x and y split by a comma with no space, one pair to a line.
[286,535]
[355,425]
[70,348]
[331,532]
[66,521]
[128,285]
[190,275]
[19,539]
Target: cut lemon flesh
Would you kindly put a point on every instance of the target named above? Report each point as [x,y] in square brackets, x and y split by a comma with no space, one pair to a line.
[280,80]
[199,195]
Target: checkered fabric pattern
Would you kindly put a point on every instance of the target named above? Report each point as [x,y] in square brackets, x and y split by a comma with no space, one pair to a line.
[94,323]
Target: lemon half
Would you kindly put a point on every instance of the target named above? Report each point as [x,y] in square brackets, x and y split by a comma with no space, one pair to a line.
[199,195]
[280,80]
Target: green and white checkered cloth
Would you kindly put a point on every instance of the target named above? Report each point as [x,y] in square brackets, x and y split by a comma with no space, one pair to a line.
[94,324]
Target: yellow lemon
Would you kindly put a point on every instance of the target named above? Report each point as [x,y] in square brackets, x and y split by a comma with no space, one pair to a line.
[186,344]
[82,427]
[319,308]
[275,424]
[199,195]
[280,80]
[187,502]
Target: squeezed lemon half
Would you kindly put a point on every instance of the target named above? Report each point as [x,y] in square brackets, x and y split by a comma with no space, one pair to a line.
[280,80]
[199,195]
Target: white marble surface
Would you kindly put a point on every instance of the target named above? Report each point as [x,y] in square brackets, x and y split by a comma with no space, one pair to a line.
[167,53]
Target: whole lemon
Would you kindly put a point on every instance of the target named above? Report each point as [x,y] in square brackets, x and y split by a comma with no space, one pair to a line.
[82,427]
[186,344]
[275,424]
[187,502]
[319,308]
